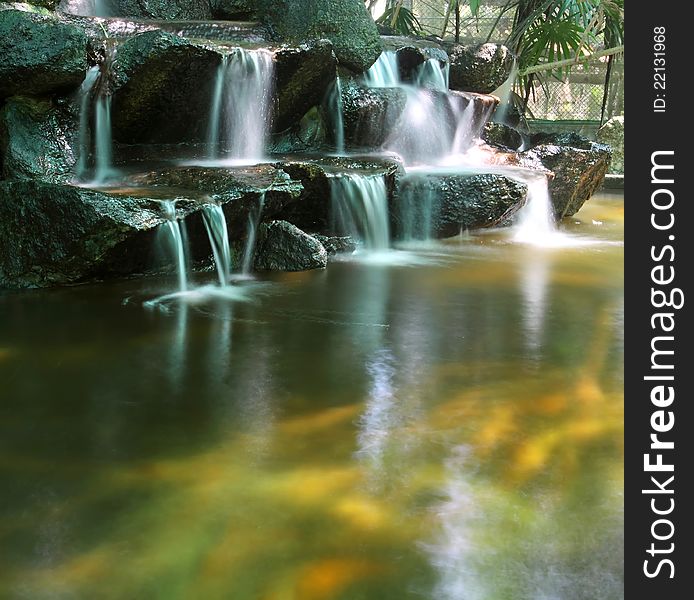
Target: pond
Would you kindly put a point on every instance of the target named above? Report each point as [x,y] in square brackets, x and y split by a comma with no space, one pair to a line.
[444,428]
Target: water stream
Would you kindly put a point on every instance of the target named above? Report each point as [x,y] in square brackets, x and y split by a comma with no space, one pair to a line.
[240,108]
[216,227]
[254,217]
[176,243]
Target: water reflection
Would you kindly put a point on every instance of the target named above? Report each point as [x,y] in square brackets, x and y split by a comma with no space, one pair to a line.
[369,431]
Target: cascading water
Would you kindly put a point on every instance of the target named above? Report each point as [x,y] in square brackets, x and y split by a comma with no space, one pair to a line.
[216,226]
[252,231]
[536,220]
[87,8]
[418,206]
[240,109]
[336,115]
[176,242]
[433,74]
[85,96]
[384,73]
[360,209]
[95,138]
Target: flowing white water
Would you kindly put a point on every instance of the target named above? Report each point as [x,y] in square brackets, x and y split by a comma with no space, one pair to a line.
[239,118]
[536,220]
[85,99]
[176,242]
[433,74]
[216,226]
[360,209]
[87,8]
[418,206]
[103,143]
[252,231]
[504,93]
[335,104]
[384,73]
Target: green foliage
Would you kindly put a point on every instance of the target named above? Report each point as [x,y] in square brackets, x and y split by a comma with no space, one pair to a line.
[400,19]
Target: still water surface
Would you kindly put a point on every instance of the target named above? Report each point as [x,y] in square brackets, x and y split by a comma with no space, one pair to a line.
[447,431]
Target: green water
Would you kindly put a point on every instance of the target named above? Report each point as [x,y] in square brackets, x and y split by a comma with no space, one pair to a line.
[446,431]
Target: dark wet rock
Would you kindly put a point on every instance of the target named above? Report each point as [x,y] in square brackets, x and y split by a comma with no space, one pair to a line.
[39,54]
[312,210]
[612,134]
[180,10]
[56,234]
[578,173]
[370,114]
[337,244]
[162,85]
[347,24]
[36,140]
[566,138]
[282,246]
[459,202]
[308,135]
[304,73]
[234,10]
[237,189]
[413,52]
[29,5]
[502,136]
[481,68]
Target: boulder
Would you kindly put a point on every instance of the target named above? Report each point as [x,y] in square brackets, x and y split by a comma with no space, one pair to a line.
[370,114]
[162,86]
[312,211]
[304,74]
[481,68]
[282,246]
[237,189]
[178,10]
[335,244]
[612,134]
[578,173]
[39,54]
[56,234]
[36,140]
[453,203]
[308,135]
[234,10]
[413,52]
[502,136]
[347,24]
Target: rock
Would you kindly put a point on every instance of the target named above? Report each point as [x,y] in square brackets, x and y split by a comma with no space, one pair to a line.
[413,52]
[578,173]
[304,75]
[36,140]
[162,86]
[481,68]
[32,5]
[566,138]
[455,203]
[282,246]
[233,10]
[179,10]
[612,134]
[370,114]
[237,189]
[347,24]
[502,136]
[308,135]
[312,210]
[39,54]
[56,234]
[337,244]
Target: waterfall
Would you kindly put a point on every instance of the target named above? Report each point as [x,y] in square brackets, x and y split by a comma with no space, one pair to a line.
[384,72]
[176,242]
[503,92]
[240,109]
[216,226]
[360,209]
[336,115]
[433,74]
[418,205]
[95,137]
[252,231]
[85,98]
[536,219]
[87,8]
[103,144]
